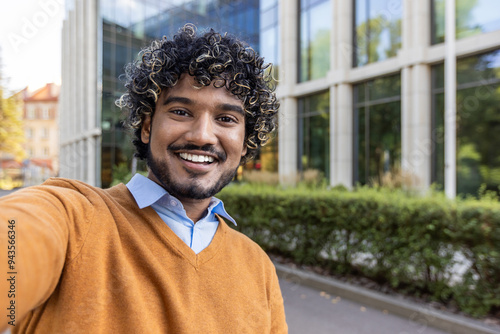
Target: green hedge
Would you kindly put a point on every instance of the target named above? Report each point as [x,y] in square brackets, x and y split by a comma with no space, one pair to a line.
[414,243]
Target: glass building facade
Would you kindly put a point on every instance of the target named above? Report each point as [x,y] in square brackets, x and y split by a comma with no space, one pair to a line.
[478,122]
[377,33]
[361,84]
[473,17]
[314,133]
[315,28]
[377,124]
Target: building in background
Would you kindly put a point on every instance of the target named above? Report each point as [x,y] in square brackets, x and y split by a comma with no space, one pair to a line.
[40,122]
[361,85]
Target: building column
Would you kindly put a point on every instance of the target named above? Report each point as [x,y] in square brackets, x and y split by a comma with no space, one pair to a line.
[341,100]
[450,104]
[288,128]
[93,86]
[416,126]
[288,144]
[416,144]
[341,128]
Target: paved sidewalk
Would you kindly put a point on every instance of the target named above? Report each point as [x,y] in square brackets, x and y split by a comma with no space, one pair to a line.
[312,311]
[322,305]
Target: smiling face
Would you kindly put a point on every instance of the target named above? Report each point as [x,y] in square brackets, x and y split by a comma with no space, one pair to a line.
[195,139]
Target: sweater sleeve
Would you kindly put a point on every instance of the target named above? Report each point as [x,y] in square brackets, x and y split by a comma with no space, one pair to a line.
[34,238]
[278,320]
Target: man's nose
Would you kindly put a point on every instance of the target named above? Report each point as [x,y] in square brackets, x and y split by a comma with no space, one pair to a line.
[202,131]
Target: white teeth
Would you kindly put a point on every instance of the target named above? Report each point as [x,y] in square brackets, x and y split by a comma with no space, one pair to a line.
[196,158]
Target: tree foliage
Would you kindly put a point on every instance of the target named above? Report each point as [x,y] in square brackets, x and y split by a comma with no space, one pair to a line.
[11,125]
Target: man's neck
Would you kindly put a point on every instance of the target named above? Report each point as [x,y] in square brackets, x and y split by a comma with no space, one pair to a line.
[195,208]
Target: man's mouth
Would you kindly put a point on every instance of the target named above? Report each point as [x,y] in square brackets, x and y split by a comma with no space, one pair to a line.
[196,158]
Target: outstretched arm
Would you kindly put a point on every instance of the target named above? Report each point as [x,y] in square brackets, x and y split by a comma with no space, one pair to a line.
[33,243]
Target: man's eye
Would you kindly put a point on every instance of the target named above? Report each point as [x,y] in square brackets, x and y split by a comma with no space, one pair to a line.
[226,119]
[179,112]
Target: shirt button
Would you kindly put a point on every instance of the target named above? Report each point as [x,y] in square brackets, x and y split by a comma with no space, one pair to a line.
[173,203]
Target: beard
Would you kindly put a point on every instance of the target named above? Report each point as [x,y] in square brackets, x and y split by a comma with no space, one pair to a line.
[194,188]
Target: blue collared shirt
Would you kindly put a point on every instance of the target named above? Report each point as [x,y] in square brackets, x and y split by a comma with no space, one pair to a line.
[197,236]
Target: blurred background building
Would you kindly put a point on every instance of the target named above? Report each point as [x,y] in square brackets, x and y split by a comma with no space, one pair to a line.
[40,123]
[361,85]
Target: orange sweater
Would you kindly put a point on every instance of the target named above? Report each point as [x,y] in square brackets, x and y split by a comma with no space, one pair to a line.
[89,260]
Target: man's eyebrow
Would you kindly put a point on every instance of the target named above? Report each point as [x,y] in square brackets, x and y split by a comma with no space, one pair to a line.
[232,107]
[179,99]
[188,101]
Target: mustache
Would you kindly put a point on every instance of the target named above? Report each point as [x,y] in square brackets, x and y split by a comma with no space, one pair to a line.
[221,155]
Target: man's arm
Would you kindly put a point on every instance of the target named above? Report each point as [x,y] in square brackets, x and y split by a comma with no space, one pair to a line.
[278,320]
[33,244]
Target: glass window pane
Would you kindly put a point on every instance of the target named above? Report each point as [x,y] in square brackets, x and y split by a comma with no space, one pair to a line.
[472,17]
[378,30]
[437,133]
[438,28]
[320,40]
[475,17]
[314,138]
[438,141]
[384,87]
[315,26]
[478,124]
[265,4]
[377,122]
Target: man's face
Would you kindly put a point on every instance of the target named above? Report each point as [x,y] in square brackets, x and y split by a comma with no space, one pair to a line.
[195,139]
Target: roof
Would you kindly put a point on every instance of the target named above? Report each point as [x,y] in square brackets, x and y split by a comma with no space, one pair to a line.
[49,92]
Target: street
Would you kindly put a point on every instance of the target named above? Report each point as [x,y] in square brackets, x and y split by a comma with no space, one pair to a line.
[6,192]
[315,312]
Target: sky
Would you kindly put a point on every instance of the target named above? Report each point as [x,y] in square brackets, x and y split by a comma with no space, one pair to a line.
[30,42]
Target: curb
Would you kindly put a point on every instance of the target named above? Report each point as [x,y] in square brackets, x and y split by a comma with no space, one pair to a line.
[423,316]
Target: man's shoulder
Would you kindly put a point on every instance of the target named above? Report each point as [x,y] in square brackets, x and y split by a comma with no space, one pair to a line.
[74,190]
[243,243]
[82,187]
[64,183]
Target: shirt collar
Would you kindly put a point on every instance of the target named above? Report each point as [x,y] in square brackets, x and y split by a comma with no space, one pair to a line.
[146,192]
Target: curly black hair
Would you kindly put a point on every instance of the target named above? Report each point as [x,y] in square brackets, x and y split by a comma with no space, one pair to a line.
[211,58]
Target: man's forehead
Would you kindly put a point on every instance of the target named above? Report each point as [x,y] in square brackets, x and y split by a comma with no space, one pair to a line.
[188,84]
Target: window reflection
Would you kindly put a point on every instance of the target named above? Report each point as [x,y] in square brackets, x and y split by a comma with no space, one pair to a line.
[377,35]
[377,126]
[315,27]
[314,133]
[472,17]
[478,123]
[269,34]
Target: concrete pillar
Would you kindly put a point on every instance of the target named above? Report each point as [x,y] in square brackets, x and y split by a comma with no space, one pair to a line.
[406,121]
[287,131]
[343,129]
[450,104]
[289,22]
[416,126]
[93,56]
[288,144]
[416,146]
[421,125]
[341,106]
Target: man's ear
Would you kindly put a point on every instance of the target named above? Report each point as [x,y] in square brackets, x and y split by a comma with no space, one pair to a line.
[146,129]
[245,149]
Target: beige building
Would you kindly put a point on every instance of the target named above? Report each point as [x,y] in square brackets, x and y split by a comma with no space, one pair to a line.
[42,133]
[370,90]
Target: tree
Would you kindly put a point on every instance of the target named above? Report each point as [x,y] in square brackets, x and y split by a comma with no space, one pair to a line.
[11,125]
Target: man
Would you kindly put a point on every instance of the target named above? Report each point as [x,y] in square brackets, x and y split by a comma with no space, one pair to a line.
[154,256]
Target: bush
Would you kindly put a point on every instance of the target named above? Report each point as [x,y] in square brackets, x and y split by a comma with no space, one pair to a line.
[416,244]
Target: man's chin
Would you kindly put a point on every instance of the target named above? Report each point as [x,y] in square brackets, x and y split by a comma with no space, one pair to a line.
[192,192]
